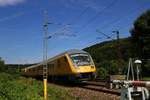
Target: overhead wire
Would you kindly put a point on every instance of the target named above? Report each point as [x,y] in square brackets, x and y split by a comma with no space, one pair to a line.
[107,36]
[63,29]
[62,32]
[111,23]
[93,42]
[121,18]
[94,17]
[80,15]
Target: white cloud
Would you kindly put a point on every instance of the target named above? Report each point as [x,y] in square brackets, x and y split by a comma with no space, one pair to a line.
[10,2]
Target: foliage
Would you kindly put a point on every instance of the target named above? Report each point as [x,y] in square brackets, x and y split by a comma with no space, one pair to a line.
[146,68]
[146,78]
[140,36]
[15,87]
[1,64]
[102,73]
[10,89]
[59,94]
[105,55]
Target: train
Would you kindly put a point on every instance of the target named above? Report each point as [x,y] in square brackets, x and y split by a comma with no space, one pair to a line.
[73,65]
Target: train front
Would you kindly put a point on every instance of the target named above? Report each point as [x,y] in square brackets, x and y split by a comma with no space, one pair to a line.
[83,65]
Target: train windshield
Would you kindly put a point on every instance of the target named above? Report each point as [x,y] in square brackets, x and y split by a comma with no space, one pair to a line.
[81,59]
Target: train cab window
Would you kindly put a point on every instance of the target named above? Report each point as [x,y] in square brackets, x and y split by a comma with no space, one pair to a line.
[81,59]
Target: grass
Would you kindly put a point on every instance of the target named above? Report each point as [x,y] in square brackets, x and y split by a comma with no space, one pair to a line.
[15,87]
[146,78]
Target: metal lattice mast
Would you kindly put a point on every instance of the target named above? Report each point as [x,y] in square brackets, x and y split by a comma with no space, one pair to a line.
[45,49]
[130,67]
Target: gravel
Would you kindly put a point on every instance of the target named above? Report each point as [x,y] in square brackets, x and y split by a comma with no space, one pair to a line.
[86,94]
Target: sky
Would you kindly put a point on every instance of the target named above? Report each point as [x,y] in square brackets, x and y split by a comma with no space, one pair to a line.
[73,25]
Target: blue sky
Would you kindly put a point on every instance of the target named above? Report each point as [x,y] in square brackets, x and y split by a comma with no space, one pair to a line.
[21,23]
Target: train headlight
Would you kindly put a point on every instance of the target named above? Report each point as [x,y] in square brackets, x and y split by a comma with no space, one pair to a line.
[77,68]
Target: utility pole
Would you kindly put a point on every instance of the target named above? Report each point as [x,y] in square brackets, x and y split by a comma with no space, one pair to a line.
[45,47]
[118,50]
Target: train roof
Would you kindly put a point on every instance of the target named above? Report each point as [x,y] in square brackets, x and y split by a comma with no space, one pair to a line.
[72,51]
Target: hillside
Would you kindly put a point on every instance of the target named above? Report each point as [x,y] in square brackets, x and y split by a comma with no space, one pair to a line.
[108,50]
[105,55]
[106,58]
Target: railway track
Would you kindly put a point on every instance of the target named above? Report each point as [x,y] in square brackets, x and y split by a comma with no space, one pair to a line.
[91,85]
[99,86]
[85,91]
[89,89]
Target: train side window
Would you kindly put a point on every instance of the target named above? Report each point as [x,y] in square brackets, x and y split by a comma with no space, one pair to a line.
[65,59]
[58,63]
[50,65]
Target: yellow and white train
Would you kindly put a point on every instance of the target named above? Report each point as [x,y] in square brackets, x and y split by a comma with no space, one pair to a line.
[71,65]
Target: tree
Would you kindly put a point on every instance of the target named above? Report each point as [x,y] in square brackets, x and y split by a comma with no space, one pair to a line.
[140,39]
[140,36]
[1,64]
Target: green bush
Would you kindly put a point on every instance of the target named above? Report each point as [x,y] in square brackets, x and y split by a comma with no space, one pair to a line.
[102,73]
[10,89]
[15,87]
